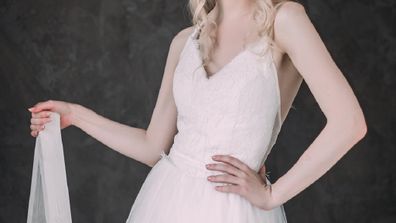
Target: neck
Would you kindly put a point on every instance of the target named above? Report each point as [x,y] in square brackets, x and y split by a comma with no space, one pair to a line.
[233,9]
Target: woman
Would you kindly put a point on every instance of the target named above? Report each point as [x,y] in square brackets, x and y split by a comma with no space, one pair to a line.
[228,84]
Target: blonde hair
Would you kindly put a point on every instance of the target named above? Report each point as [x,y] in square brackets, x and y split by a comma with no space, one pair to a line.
[204,16]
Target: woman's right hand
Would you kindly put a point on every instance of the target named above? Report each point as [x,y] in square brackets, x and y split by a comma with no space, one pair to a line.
[41,115]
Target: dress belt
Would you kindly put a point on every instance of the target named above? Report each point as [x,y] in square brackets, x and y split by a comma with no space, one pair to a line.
[192,167]
[189,165]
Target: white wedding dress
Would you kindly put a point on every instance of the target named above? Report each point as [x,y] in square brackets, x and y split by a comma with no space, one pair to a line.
[237,112]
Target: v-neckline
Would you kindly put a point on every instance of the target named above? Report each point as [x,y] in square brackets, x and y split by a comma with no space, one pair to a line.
[226,65]
[240,54]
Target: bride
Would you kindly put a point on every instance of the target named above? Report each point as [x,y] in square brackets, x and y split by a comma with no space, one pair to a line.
[226,27]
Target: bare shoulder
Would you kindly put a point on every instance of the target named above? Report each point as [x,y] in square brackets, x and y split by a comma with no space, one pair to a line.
[291,18]
[184,33]
[179,40]
[289,9]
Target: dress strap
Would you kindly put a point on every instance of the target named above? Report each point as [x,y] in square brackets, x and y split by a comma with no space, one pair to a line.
[196,31]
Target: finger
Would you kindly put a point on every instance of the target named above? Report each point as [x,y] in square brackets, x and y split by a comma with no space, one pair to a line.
[34,133]
[41,114]
[226,168]
[34,127]
[37,127]
[39,121]
[48,105]
[225,178]
[229,189]
[233,161]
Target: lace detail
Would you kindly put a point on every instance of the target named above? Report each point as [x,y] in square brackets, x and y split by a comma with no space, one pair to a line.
[236,111]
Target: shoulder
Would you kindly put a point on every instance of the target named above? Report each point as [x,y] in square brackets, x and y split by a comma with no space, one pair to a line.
[179,40]
[290,19]
[184,33]
[289,9]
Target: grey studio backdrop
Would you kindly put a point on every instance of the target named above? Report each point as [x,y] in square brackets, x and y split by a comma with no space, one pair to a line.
[109,55]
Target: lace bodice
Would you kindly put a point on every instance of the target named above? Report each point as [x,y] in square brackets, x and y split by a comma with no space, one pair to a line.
[236,111]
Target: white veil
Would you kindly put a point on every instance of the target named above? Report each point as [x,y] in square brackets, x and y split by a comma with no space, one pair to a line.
[49,194]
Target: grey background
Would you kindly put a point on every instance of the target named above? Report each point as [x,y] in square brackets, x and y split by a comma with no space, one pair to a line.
[109,56]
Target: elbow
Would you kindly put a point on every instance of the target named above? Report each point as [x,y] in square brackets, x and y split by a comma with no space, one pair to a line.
[152,163]
[354,127]
[359,125]
[153,160]
[360,130]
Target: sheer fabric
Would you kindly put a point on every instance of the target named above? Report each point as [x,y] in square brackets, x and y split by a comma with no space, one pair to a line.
[49,195]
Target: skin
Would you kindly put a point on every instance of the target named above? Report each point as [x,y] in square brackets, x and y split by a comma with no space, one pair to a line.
[301,54]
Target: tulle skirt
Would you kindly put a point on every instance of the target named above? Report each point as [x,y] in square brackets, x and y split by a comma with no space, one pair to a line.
[176,191]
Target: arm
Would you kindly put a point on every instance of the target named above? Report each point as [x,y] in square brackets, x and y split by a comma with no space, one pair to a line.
[345,126]
[139,144]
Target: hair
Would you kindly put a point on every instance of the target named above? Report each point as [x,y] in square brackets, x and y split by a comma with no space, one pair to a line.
[204,15]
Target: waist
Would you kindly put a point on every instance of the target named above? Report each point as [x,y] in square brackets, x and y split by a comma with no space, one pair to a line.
[189,165]
[192,167]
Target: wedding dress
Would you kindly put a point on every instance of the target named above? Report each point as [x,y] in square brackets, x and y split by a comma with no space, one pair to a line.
[236,112]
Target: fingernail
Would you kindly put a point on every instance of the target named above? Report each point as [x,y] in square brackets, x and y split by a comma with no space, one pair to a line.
[30,109]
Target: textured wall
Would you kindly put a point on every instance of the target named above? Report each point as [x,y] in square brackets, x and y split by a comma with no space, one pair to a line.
[109,56]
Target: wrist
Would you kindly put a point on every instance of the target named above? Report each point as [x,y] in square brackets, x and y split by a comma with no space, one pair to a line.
[275,201]
[268,202]
[74,110]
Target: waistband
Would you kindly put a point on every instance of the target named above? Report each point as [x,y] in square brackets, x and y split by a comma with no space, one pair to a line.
[192,167]
[189,165]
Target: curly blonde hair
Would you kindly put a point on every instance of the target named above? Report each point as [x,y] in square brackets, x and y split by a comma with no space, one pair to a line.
[204,15]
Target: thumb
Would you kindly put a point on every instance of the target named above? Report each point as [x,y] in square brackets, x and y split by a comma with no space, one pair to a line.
[46,105]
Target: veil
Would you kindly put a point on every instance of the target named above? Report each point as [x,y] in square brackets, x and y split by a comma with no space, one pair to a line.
[49,195]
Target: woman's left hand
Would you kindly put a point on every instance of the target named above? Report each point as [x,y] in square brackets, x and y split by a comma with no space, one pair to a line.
[242,180]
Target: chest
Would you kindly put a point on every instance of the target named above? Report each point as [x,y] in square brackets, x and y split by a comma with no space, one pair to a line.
[245,86]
